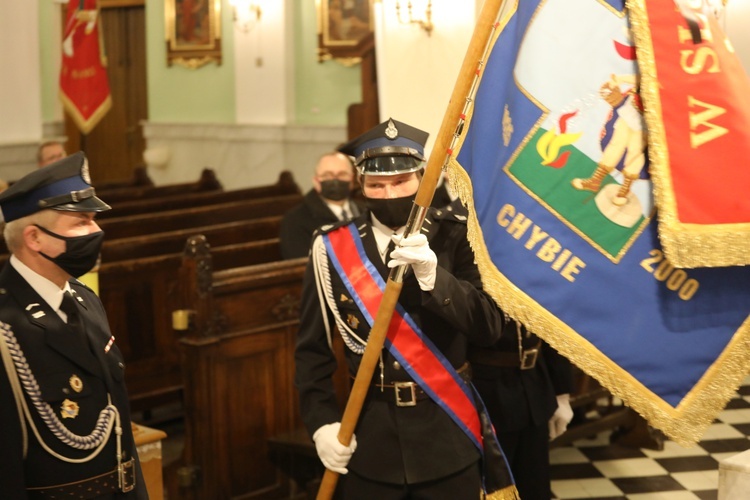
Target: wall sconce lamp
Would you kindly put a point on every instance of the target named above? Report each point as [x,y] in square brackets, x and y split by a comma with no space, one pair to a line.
[424,23]
[246,14]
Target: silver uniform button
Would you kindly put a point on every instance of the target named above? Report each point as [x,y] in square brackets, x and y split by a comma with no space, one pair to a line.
[396,365]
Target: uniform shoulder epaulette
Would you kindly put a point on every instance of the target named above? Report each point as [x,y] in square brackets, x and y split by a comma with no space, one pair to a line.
[327,228]
[80,284]
[453,212]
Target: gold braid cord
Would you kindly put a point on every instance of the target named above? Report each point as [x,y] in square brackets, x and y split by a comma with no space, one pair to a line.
[685,245]
[684,424]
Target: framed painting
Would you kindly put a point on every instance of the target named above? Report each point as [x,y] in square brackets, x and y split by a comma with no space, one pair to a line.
[193,32]
[345,30]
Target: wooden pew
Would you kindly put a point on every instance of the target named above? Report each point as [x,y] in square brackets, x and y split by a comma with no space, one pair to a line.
[171,242]
[237,354]
[140,179]
[206,182]
[139,294]
[173,220]
[284,186]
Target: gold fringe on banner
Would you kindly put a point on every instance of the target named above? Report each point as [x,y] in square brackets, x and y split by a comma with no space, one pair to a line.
[509,493]
[685,245]
[684,424]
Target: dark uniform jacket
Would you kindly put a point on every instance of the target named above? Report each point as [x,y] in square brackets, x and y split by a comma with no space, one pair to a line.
[400,444]
[59,360]
[299,224]
[517,399]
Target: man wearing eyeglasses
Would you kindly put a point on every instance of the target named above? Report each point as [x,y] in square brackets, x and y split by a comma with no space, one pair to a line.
[328,202]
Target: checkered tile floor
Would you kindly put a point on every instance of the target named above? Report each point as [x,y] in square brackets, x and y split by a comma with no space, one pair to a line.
[592,468]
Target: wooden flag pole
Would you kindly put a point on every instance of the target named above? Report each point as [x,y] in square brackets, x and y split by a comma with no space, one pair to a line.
[440,153]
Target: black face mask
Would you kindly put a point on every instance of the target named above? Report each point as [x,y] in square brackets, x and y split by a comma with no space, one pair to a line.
[81,252]
[393,212]
[335,189]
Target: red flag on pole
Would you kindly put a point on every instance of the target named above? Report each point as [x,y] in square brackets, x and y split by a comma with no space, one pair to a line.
[697,103]
[84,89]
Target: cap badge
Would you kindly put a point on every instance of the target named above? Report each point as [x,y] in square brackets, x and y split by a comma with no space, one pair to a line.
[85,171]
[391,131]
[69,409]
[76,383]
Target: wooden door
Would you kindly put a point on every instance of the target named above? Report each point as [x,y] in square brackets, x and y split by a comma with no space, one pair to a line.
[115,146]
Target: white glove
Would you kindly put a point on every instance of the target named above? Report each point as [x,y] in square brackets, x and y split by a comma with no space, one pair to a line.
[561,418]
[332,453]
[416,251]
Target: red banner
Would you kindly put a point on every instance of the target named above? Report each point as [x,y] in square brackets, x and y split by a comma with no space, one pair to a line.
[84,89]
[697,103]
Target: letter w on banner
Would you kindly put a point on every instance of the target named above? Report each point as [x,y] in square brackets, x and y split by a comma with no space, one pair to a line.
[697,98]
[84,89]
[563,223]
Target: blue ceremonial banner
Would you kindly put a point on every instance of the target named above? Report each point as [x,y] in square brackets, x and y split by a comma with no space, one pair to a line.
[553,164]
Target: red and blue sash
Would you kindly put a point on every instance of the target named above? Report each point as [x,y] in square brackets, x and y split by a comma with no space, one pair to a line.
[405,341]
[421,359]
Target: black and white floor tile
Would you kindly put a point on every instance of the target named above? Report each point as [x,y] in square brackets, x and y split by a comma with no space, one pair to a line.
[594,469]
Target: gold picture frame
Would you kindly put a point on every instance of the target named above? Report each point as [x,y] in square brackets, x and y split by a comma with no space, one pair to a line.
[345,30]
[193,32]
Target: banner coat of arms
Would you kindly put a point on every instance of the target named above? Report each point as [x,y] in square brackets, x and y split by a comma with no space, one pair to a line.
[555,165]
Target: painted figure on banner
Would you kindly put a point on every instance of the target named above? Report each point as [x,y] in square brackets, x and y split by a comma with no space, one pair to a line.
[555,170]
[623,146]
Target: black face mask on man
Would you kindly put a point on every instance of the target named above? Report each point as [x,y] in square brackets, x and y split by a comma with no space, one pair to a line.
[335,189]
[81,252]
[393,212]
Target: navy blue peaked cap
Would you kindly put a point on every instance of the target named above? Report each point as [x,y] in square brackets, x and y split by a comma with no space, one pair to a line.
[390,148]
[64,185]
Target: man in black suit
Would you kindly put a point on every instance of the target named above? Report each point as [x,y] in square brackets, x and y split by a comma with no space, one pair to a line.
[63,404]
[411,441]
[526,387]
[327,202]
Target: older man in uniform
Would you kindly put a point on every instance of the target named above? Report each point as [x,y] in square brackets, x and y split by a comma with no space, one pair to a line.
[63,404]
[327,202]
[411,441]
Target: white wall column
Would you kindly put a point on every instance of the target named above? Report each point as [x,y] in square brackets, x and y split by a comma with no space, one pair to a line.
[417,71]
[20,90]
[262,56]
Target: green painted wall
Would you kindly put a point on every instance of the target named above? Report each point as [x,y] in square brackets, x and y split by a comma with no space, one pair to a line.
[47,57]
[181,95]
[323,91]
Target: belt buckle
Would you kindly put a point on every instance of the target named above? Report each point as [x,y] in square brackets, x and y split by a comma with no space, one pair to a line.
[125,476]
[397,386]
[528,358]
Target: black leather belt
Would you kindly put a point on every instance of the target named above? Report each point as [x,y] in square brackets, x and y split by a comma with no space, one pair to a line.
[408,393]
[525,360]
[92,487]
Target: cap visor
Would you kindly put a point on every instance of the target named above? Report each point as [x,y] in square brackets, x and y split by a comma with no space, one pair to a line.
[92,204]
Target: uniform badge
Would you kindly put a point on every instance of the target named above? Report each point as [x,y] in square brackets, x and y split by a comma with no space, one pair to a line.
[85,171]
[69,409]
[343,298]
[391,131]
[109,344]
[76,383]
[352,321]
